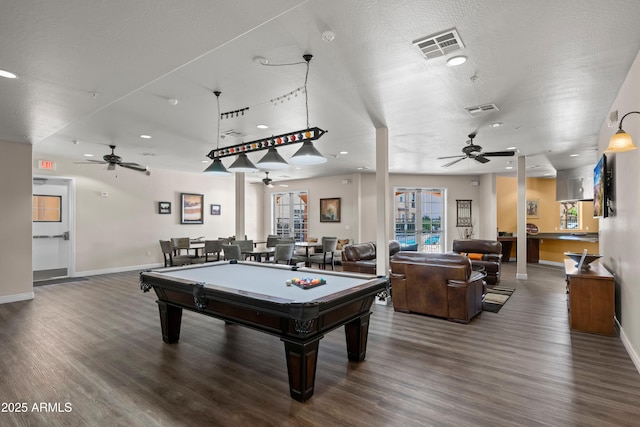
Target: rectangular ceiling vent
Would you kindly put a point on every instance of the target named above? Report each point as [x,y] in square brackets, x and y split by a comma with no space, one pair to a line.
[439,44]
[482,109]
[232,133]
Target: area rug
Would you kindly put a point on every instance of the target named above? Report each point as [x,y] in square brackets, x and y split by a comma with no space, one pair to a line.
[495,298]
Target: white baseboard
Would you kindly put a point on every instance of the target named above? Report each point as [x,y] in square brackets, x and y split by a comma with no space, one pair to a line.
[522,276]
[627,345]
[554,263]
[117,269]
[17,297]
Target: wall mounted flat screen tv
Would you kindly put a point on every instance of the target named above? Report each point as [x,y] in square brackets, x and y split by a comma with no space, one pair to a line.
[600,189]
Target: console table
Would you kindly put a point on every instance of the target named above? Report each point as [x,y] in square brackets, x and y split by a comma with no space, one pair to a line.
[591,298]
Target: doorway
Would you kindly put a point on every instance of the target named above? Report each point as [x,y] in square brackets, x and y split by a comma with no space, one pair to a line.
[52,223]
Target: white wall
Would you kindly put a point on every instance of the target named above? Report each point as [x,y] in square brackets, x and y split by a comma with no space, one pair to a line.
[15,211]
[121,231]
[620,234]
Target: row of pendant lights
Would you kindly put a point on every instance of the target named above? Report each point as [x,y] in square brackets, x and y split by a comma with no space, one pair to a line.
[306,155]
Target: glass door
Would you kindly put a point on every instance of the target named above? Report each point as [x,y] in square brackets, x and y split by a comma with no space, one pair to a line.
[419,217]
[290,217]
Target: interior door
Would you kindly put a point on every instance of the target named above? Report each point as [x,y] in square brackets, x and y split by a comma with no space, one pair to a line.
[51,252]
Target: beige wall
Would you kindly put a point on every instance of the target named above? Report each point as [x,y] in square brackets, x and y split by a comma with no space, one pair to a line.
[15,211]
[620,234]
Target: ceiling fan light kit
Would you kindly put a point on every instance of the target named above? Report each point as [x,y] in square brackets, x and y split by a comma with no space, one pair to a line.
[621,141]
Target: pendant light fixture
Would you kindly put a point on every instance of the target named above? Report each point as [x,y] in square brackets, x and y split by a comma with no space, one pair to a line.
[243,164]
[272,160]
[216,168]
[307,154]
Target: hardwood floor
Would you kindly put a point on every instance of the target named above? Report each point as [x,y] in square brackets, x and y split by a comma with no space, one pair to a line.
[96,345]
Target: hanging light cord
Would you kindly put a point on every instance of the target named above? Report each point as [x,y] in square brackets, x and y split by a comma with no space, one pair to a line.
[217,93]
[306,92]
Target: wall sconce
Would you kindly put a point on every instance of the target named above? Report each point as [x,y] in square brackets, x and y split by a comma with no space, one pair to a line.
[621,141]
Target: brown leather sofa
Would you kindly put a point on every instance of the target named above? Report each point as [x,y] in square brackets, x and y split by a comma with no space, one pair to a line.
[482,253]
[442,285]
[361,257]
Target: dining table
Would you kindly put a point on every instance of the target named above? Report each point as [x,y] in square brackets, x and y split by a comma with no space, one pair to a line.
[258,253]
[307,246]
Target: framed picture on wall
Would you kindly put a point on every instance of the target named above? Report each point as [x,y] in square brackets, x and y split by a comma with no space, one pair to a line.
[532,208]
[191,208]
[215,209]
[164,208]
[330,210]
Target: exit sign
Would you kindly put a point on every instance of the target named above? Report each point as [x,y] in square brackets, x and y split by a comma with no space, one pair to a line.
[47,164]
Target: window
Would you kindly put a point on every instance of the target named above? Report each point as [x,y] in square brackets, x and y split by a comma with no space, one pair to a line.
[46,208]
[427,205]
[290,215]
[569,212]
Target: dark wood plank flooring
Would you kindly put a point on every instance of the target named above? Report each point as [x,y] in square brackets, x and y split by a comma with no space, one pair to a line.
[96,345]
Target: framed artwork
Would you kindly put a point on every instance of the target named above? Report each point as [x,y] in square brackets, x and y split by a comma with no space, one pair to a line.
[532,208]
[330,210]
[164,208]
[192,208]
[215,209]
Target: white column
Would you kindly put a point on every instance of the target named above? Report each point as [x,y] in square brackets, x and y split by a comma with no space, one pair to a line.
[240,203]
[521,269]
[382,204]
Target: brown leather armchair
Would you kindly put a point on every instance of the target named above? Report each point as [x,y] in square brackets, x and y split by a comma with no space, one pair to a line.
[442,285]
[482,253]
[361,257]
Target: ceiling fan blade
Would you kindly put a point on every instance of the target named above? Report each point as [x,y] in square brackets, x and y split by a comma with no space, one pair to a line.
[498,154]
[91,162]
[481,159]
[462,156]
[454,162]
[134,166]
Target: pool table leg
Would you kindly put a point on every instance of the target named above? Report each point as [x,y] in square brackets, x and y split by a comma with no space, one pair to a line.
[170,319]
[356,333]
[302,359]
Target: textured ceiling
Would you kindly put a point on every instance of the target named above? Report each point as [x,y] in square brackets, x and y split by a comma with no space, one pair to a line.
[102,73]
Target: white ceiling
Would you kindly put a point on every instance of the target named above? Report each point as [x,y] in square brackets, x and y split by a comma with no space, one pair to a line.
[102,73]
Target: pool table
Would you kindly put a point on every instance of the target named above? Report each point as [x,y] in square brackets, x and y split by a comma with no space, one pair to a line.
[256,295]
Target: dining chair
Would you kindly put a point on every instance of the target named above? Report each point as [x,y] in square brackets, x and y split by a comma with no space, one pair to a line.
[329,245]
[272,240]
[232,252]
[212,247]
[245,246]
[180,243]
[171,260]
[283,254]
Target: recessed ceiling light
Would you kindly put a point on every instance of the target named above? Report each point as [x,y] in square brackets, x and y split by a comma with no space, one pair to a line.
[344,152]
[456,60]
[496,124]
[574,155]
[512,148]
[88,155]
[145,136]
[509,167]
[7,74]
[204,161]
[262,126]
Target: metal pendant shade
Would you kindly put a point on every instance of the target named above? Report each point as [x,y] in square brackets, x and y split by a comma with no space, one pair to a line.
[216,168]
[307,155]
[242,164]
[272,160]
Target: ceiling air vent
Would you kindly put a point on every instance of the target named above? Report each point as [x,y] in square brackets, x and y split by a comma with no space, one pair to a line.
[439,44]
[232,133]
[482,109]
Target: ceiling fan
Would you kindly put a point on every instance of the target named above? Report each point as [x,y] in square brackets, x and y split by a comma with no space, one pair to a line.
[472,151]
[113,160]
[267,181]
